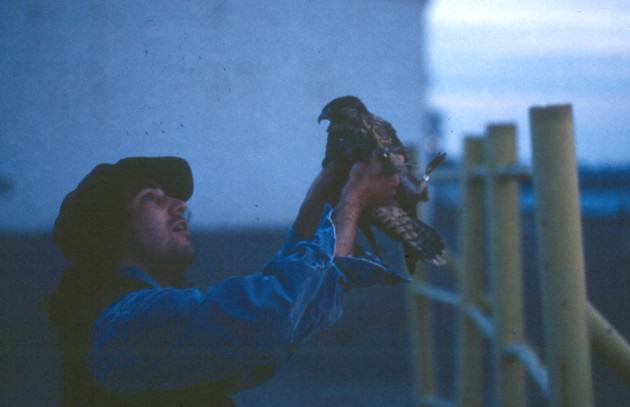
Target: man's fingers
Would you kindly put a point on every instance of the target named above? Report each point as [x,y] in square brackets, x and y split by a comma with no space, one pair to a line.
[376,165]
[337,167]
[372,185]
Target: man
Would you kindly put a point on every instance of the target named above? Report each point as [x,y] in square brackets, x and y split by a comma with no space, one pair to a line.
[129,334]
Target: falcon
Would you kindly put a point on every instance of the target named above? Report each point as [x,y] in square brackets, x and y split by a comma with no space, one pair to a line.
[355,134]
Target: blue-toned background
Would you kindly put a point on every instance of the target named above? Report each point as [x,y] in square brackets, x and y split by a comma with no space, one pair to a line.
[235,87]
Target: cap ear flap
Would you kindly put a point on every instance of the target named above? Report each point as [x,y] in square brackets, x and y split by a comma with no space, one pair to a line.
[88,234]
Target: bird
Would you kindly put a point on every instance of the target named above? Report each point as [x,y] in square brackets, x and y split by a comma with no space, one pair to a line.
[355,134]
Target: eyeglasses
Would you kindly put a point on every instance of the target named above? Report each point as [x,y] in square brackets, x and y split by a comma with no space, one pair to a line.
[187,215]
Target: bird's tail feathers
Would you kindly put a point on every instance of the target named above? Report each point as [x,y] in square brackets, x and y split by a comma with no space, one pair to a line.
[425,241]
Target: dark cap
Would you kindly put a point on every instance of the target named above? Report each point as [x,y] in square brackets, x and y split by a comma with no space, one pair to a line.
[92,217]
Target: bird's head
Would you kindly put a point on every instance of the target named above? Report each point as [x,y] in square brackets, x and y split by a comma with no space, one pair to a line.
[342,108]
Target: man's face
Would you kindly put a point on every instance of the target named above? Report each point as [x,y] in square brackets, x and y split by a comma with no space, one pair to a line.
[158,236]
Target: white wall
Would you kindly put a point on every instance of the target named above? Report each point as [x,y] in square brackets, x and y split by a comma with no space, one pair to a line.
[233,86]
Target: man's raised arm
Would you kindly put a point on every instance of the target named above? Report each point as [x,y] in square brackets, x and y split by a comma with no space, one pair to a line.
[366,186]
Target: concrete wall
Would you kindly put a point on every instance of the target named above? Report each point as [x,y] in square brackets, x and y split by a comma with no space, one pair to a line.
[233,86]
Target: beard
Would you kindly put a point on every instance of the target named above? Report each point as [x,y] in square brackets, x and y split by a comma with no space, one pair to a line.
[177,254]
[164,257]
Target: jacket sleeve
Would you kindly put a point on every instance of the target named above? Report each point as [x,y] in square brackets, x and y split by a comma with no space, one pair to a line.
[238,331]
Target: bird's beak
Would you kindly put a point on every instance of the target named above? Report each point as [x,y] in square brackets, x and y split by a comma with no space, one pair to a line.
[323,116]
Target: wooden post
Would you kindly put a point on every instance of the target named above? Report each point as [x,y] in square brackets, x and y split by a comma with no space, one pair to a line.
[561,258]
[469,374]
[503,214]
[421,329]
[422,336]
[608,343]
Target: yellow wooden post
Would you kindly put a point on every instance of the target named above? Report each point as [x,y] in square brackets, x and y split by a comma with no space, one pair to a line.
[608,343]
[561,258]
[421,329]
[469,374]
[503,215]
[422,336]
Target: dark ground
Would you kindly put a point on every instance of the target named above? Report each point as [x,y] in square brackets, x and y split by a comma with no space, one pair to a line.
[365,360]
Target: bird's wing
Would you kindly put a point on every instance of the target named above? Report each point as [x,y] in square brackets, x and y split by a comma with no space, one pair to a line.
[425,242]
[382,131]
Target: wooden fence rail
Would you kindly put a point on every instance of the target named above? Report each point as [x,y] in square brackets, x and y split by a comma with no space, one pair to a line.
[489,223]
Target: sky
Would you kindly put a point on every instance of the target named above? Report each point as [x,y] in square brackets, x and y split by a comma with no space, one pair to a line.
[490,61]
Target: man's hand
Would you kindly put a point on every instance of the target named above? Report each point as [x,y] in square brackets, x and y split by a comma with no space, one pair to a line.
[368,186]
[329,182]
[326,188]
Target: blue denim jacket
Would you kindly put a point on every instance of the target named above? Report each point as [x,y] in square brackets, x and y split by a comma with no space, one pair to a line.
[170,338]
